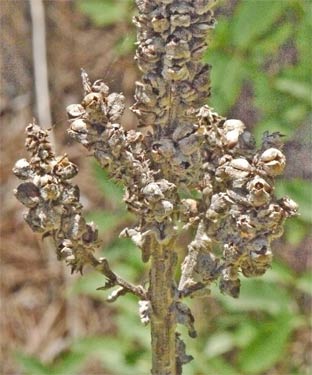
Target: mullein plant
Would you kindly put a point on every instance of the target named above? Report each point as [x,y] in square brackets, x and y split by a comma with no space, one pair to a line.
[184,167]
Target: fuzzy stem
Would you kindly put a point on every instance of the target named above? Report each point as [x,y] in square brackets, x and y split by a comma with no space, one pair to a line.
[163,322]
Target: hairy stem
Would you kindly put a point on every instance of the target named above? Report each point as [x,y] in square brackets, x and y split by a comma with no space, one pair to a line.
[163,321]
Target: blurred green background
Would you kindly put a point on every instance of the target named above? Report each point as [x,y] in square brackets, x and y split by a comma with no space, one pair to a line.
[261,57]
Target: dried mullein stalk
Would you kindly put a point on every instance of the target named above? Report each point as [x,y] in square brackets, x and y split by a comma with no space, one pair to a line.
[181,145]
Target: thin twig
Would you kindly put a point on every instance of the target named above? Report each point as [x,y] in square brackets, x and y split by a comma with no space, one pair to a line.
[40,65]
[103,267]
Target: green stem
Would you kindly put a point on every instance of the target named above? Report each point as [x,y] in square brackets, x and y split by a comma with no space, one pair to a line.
[163,321]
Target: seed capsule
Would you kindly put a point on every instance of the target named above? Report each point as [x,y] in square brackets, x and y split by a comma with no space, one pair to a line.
[50,191]
[233,129]
[189,145]
[272,161]
[152,192]
[22,169]
[65,169]
[79,126]
[160,24]
[162,209]
[91,234]
[116,106]
[202,6]
[100,87]
[177,49]
[260,192]
[180,20]
[92,100]
[240,164]
[229,282]
[176,73]
[28,194]
[75,110]
[289,206]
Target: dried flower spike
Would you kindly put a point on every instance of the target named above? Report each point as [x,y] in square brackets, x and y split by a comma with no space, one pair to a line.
[181,145]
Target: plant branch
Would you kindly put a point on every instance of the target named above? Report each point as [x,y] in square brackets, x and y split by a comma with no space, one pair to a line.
[102,266]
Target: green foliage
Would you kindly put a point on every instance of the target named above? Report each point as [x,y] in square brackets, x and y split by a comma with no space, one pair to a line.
[106,13]
[112,191]
[267,347]
[68,363]
[265,45]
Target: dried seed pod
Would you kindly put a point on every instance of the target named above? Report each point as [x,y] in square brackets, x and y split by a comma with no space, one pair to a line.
[272,161]
[229,282]
[44,218]
[182,131]
[181,7]
[271,216]
[152,192]
[64,168]
[246,227]
[238,169]
[100,87]
[289,206]
[167,187]
[189,145]
[175,72]
[146,7]
[77,226]
[187,92]
[28,194]
[115,106]
[203,6]
[180,20]
[160,24]
[200,30]
[67,252]
[162,209]
[164,148]
[233,129]
[189,208]
[50,191]
[259,192]
[207,265]
[260,258]
[22,169]
[197,50]
[70,194]
[144,95]
[92,101]
[91,234]
[79,126]
[220,203]
[177,49]
[75,110]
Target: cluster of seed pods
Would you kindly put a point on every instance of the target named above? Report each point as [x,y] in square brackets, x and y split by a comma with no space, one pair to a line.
[53,201]
[189,148]
[237,208]
[124,155]
[171,41]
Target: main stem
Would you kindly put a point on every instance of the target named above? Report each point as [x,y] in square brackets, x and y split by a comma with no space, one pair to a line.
[163,322]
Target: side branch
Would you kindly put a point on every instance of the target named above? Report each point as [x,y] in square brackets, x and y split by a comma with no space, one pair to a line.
[55,209]
[102,266]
